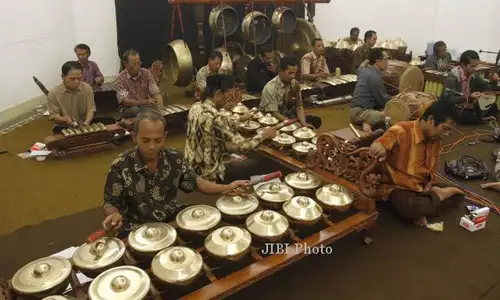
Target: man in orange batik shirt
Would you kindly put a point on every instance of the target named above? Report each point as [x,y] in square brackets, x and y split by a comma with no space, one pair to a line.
[409,152]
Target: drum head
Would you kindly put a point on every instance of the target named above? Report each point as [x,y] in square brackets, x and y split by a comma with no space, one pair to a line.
[397,110]
[411,80]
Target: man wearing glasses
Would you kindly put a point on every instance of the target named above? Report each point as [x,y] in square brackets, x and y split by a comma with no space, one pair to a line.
[370,95]
[138,91]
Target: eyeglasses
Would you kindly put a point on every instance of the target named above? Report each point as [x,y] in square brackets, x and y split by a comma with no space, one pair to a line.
[134,63]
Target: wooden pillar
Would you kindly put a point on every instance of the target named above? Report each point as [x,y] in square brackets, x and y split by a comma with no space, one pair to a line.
[200,21]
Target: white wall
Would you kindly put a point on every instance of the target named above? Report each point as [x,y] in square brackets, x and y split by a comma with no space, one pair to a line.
[462,24]
[38,36]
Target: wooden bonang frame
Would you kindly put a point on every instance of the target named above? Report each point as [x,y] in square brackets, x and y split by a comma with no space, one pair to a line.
[218,287]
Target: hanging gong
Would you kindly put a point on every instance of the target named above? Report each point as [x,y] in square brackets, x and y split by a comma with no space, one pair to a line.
[299,41]
[241,68]
[178,63]
[223,20]
[412,80]
[226,66]
[284,20]
[256,28]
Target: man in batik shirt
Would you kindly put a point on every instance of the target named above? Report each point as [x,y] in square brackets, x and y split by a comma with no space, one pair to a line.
[313,65]
[138,91]
[142,183]
[210,136]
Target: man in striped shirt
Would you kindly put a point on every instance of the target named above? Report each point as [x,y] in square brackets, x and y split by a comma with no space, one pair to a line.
[409,152]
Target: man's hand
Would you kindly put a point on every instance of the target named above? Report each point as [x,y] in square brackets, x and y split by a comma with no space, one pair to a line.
[239,186]
[322,75]
[229,105]
[269,133]
[68,120]
[378,152]
[307,125]
[495,77]
[295,86]
[113,222]
[152,101]
[272,68]
[99,80]
[364,64]
[428,186]
[475,95]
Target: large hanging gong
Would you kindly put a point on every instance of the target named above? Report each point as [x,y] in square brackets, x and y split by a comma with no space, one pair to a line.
[178,63]
[256,28]
[227,62]
[284,20]
[223,20]
[299,41]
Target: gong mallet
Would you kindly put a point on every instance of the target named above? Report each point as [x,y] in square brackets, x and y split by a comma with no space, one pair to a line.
[354,130]
[260,179]
[99,234]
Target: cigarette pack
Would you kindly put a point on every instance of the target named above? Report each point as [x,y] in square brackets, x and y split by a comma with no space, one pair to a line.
[471,226]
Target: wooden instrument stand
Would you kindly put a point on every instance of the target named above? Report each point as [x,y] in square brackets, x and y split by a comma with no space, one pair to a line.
[92,142]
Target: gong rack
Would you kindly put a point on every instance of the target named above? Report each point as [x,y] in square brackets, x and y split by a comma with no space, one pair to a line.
[221,278]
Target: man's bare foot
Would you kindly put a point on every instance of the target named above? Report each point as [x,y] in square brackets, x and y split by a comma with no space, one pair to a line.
[492,185]
[422,222]
[447,192]
[366,127]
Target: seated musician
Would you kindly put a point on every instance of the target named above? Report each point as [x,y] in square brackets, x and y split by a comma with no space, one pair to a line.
[409,152]
[361,54]
[212,68]
[282,96]
[137,91]
[91,73]
[370,96]
[440,60]
[313,65]
[463,84]
[210,136]
[353,38]
[261,70]
[143,182]
[71,103]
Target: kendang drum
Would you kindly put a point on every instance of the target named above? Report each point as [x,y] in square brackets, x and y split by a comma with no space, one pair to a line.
[402,76]
[407,106]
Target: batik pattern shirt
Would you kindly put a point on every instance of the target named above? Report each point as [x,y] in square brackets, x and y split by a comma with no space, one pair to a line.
[143,196]
[411,161]
[141,87]
[207,138]
[313,64]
